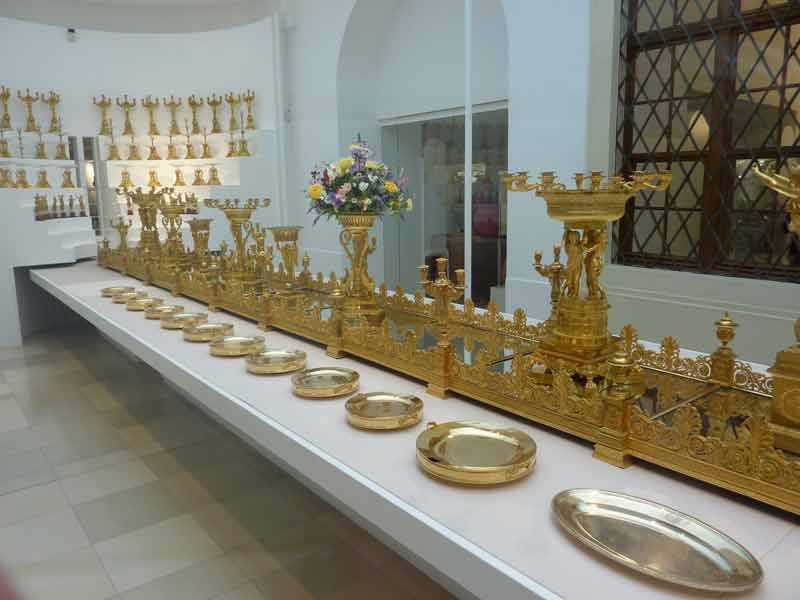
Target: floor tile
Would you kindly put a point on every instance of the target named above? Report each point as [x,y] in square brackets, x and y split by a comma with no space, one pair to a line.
[31,503]
[11,415]
[41,538]
[127,511]
[352,534]
[223,527]
[100,397]
[331,570]
[265,511]
[72,576]
[216,483]
[155,551]
[102,482]
[24,470]
[167,433]
[373,587]
[416,583]
[246,592]
[201,581]
[92,451]
[284,585]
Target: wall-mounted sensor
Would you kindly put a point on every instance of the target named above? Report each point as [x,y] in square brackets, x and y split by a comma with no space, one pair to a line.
[72,35]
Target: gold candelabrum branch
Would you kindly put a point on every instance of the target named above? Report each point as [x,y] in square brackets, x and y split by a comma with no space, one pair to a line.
[233,101]
[200,230]
[52,100]
[173,104]
[443,291]
[286,240]
[788,187]
[127,105]
[103,104]
[195,104]
[214,103]
[5,119]
[147,202]
[122,229]
[238,214]
[151,105]
[28,99]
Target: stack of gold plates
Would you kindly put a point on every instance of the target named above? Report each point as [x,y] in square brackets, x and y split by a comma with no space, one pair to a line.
[205,332]
[382,410]
[325,382]
[140,304]
[156,312]
[657,540]
[237,345]
[123,297]
[182,319]
[474,453]
[275,360]
[109,292]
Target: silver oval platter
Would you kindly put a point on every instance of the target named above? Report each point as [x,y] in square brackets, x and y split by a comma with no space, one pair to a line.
[657,540]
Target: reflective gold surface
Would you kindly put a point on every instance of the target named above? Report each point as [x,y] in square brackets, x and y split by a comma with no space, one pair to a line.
[125,296]
[182,319]
[383,410]
[325,382]
[275,360]
[236,345]
[140,304]
[108,292]
[157,312]
[657,540]
[205,332]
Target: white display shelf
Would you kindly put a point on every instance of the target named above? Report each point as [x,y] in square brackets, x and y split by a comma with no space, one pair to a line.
[500,542]
[36,162]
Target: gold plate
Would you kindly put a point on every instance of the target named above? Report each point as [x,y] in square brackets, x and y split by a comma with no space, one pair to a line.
[109,292]
[125,296]
[475,453]
[182,319]
[325,382]
[382,410]
[205,332]
[275,360]
[656,540]
[140,304]
[237,345]
[156,312]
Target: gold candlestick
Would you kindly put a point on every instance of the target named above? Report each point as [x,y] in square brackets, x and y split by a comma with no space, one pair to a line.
[81,206]
[151,104]
[41,149]
[179,180]
[4,151]
[28,99]
[103,104]
[41,181]
[133,150]
[152,179]
[54,208]
[127,106]
[172,150]
[241,227]
[61,147]
[443,291]
[153,154]
[249,96]
[198,177]
[40,210]
[66,178]
[22,178]
[71,206]
[214,102]
[195,104]
[113,150]
[5,178]
[172,104]
[5,96]
[125,179]
[52,100]
[213,176]
[232,149]
[206,146]
[62,211]
[190,153]
[20,145]
[243,149]
[233,101]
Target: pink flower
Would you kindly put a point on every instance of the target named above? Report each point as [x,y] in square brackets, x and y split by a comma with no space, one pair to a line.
[344,190]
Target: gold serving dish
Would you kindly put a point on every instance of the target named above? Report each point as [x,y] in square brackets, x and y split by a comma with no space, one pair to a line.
[382,410]
[162,310]
[325,382]
[657,540]
[237,345]
[205,332]
[110,292]
[123,297]
[475,453]
[182,319]
[140,304]
[275,360]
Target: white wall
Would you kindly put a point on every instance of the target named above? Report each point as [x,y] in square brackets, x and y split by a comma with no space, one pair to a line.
[40,57]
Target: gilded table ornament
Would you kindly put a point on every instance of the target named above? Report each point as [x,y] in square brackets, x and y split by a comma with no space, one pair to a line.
[141,304]
[237,345]
[28,99]
[103,104]
[382,411]
[182,319]
[275,360]
[5,96]
[155,313]
[127,106]
[474,453]
[205,332]
[325,382]
[657,540]
[108,292]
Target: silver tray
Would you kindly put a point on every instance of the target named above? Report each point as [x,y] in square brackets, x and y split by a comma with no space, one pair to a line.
[656,540]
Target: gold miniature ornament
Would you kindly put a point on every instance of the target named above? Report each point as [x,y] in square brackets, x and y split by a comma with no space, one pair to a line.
[113,150]
[152,179]
[195,104]
[41,180]
[4,150]
[233,101]
[206,146]
[103,104]
[151,105]
[81,205]
[40,210]
[71,206]
[62,210]
[61,147]
[133,150]
[172,150]
[5,178]
[5,119]
[179,181]
[214,102]
[54,208]
[233,150]
[127,106]
[153,153]
[66,178]
[190,154]
[172,104]
[22,178]
[41,148]
[198,177]
[249,97]
[213,176]
[28,99]
[125,179]
[20,144]
[52,100]
[243,149]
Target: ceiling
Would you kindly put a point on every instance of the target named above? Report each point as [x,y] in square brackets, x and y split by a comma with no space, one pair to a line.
[141,16]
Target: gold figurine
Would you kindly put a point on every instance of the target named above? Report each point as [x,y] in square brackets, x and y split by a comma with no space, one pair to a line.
[52,100]
[61,147]
[40,210]
[195,104]
[206,146]
[214,102]
[233,101]
[28,99]
[71,206]
[179,180]
[22,178]
[127,106]
[81,205]
[172,104]
[153,154]
[54,208]
[103,104]
[152,179]
[133,150]
[198,177]
[213,176]
[41,149]
[4,151]
[66,178]
[249,96]
[62,211]
[41,180]
[5,119]
[190,153]
[125,179]
[172,150]
[151,105]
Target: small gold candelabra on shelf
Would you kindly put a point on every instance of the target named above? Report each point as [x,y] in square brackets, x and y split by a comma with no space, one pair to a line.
[173,104]
[4,150]
[190,154]
[249,97]
[81,205]
[20,144]
[5,119]
[22,178]
[133,150]
[113,150]
[153,153]
[41,180]
[66,178]
[103,104]
[206,146]
[151,105]
[28,99]
[232,148]
[61,147]
[6,180]
[40,209]
[195,104]
[214,102]
[172,150]
[199,179]
[41,148]
[179,180]
[125,179]
[152,179]
[243,149]
[127,106]
[213,176]
[122,229]
[52,100]
[233,101]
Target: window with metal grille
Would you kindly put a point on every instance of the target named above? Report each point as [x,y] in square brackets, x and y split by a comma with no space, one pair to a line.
[708,89]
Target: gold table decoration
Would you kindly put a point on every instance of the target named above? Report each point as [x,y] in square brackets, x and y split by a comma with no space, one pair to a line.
[233,101]
[182,319]
[5,119]
[22,178]
[147,204]
[172,105]
[199,179]
[272,361]
[108,292]
[172,150]
[213,176]
[153,153]
[286,237]
[127,106]
[133,150]
[40,209]
[41,180]
[28,99]
[179,180]
[52,99]
[54,207]
[61,147]
[243,149]
[195,104]
[383,411]
[152,179]
[41,149]
[125,181]
[205,332]
[233,150]
[206,146]
[190,153]
[475,453]
[66,178]
[657,540]
[359,287]
[122,229]
[123,297]
[325,382]
[103,104]
[242,229]
[62,213]
[5,152]
[81,205]
[6,178]
[151,105]
[236,345]
[113,149]
[155,313]
[249,97]
[214,102]
[142,304]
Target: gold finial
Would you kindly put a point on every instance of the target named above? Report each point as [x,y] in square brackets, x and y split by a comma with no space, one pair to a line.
[726,329]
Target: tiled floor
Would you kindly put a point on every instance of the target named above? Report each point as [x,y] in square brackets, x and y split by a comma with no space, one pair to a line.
[113,486]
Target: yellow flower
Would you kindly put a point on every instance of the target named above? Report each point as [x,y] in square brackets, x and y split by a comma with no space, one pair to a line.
[372,164]
[344,164]
[315,191]
[409,204]
[391,187]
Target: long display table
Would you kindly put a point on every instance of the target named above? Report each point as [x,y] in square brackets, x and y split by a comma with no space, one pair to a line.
[492,543]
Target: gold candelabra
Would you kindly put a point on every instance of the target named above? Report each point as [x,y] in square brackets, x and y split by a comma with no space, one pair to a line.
[173,104]
[232,149]
[190,154]
[22,178]
[200,230]
[179,180]
[5,119]
[52,100]
[125,179]
[213,176]
[206,146]
[133,150]
[20,144]
[61,147]
[286,240]
[28,99]
[40,210]
[249,97]
[199,179]
[113,150]
[41,180]
[41,148]
[233,101]
[127,106]
[238,215]
[152,179]
[62,210]
[122,229]
[195,104]
[788,187]
[6,178]
[243,149]
[151,105]
[172,150]
[153,153]
[172,208]
[214,102]
[66,178]
[4,150]
[103,104]
[147,202]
